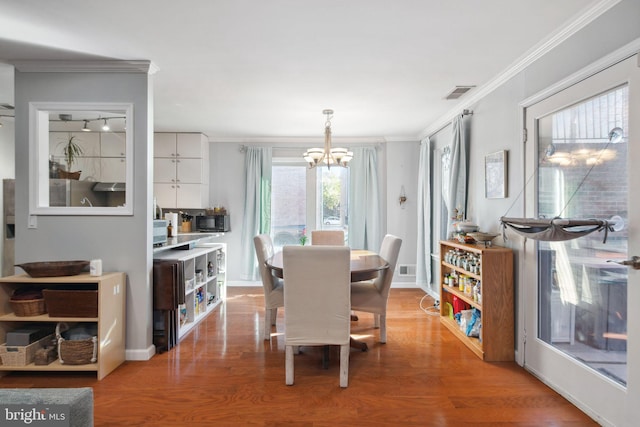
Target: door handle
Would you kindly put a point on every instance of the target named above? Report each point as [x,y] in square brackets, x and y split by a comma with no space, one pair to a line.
[634,262]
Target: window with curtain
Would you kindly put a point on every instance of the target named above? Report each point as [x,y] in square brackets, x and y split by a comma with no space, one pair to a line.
[304,199]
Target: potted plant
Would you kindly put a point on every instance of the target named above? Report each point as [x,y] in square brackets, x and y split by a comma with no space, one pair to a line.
[71,151]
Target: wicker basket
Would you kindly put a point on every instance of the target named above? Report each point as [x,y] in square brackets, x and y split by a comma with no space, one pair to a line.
[69,175]
[76,352]
[29,307]
[22,355]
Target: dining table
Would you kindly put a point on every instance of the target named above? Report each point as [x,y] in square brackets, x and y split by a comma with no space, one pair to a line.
[364,265]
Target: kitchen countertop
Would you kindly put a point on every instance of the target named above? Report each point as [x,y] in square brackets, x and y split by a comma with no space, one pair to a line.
[185,239]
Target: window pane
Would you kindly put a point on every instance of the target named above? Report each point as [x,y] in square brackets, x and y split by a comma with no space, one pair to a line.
[582,175]
[288,204]
[333,196]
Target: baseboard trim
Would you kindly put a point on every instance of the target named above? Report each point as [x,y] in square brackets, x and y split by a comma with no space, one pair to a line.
[140,355]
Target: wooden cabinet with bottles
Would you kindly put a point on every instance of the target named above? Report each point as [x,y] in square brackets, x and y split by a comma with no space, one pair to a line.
[480,278]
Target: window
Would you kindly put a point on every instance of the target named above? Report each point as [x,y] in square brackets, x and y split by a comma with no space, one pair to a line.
[304,199]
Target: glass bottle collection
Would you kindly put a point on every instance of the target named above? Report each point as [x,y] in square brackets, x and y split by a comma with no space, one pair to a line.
[465,283]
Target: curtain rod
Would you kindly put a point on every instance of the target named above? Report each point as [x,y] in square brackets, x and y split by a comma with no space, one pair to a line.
[465,112]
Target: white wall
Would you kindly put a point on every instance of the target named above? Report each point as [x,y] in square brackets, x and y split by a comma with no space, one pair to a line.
[398,165]
[401,169]
[7,138]
[124,243]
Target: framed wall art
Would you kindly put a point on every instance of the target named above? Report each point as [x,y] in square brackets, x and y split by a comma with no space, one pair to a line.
[495,175]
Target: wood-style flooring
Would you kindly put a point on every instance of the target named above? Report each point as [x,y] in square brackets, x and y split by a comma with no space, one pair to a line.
[224,374]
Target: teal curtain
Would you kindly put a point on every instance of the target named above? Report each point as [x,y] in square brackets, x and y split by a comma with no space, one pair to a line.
[423,263]
[458,171]
[365,219]
[257,206]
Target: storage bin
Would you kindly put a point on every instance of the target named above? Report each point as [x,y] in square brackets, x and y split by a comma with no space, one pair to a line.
[22,355]
[71,302]
[76,351]
[27,302]
[30,307]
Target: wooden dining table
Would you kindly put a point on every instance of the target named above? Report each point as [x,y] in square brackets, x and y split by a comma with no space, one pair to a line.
[364,265]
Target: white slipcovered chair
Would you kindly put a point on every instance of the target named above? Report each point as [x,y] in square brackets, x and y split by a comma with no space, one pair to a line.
[371,295]
[316,302]
[327,237]
[273,293]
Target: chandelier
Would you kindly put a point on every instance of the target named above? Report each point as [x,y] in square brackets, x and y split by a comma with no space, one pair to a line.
[327,156]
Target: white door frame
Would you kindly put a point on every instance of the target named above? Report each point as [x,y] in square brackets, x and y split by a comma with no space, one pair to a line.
[619,407]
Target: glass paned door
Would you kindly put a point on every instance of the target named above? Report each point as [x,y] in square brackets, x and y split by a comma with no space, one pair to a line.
[580,327]
[582,174]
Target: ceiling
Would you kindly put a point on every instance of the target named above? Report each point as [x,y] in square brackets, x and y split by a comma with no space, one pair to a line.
[258,69]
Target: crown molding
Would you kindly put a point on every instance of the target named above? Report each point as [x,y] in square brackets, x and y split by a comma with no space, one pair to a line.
[541,49]
[297,141]
[107,66]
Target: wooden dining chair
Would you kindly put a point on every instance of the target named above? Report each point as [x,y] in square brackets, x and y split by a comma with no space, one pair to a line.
[272,286]
[327,237]
[316,302]
[371,296]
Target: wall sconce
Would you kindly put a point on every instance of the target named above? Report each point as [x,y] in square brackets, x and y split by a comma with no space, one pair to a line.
[403,197]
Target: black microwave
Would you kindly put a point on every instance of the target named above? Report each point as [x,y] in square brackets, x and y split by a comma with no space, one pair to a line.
[216,223]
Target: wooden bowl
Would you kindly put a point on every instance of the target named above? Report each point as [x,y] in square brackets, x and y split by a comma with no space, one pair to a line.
[53,268]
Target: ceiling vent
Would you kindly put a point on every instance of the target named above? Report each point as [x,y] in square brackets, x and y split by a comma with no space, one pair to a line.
[6,107]
[458,91]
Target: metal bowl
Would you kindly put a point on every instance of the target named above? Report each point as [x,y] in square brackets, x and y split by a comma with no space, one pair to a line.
[466,227]
[53,268]
[482,237]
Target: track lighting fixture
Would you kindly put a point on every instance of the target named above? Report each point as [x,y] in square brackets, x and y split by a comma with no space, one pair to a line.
[105,127]
[85,128]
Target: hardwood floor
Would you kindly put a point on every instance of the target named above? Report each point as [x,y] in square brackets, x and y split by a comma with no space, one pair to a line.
[224,374]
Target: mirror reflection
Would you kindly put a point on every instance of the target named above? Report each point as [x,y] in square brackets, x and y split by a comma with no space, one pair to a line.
[87,158]
[82,158]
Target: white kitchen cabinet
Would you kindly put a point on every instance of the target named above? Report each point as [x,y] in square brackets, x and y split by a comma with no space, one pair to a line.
[113,169]
[89,142]
[90,167]
[167,144]
[178,170]
[181,195]
[113,157]
[113,144]
[103,156]
[181,170]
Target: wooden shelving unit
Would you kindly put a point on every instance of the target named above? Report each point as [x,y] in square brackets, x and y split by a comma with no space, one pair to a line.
[110,321]
[496,306]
